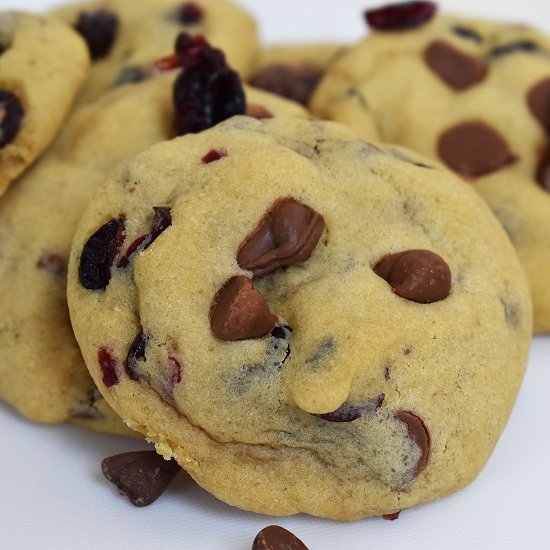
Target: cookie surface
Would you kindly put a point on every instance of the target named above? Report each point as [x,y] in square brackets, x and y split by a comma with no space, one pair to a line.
[306,322]
[41,370]
[43,64]
[138,33]
[472,94]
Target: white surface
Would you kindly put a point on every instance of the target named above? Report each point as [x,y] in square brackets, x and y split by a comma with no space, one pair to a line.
[52,494]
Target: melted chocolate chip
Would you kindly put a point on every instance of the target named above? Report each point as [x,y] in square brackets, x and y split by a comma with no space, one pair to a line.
[108,365]
[417,275]
[142,476]
[294,81]
[457,69]
[11,116]
[98,255]
[257,111]
[522,46]
[99,29]
[538,99]
[240,312]
[418,432]
[474,149]
[543,173]
[274,537]
[396,17]
[287,235]
[136,353]
[468,33]
[190,13]
[349,413]
[54,264]
[213,155]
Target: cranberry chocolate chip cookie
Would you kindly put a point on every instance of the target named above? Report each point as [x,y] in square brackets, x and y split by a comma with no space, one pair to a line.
[41,369]
[43,64]
[126,37]
[472,94]
[304,321]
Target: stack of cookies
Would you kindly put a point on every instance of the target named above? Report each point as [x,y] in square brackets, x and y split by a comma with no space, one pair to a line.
[297,310]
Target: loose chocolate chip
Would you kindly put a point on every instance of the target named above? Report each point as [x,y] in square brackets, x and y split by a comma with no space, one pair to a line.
[274,537]
[294,81]
[418,432]
[11,116]
[208,91]
[98,255]
[99,29]
[417,275]
[474,149]
[543,173]
[213,155]
[54,264]
[349,413]
[190,13]
[392,517]
[240,312]
[130,75]
[468,33]
[538,99]
[457,69]
[136,353]
[525,46]
[396,17]
[142,476]
[257,111]
[108,366]
[287,235]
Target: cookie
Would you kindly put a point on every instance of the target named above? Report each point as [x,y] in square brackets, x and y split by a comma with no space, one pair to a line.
[471,94]
[43,64]
[41,370]
[127,36]
[305,321]
[293,71]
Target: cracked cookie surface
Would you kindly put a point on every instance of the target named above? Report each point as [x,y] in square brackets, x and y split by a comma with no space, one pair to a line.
[307,322]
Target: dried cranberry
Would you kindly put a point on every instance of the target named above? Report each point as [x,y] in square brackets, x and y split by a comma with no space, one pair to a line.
[108,366]
[406,15]
[213,155]
[207,91]
[136,353]
[190,13]
[54,264]
[99,29]
[176,371]
[392,517]
[98,255]
[11,115]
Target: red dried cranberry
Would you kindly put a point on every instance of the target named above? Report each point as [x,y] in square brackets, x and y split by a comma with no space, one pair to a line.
[11,115]
[190,13]
[213,155]
[54,264]
[99,29]
[108,366]
[207,91]
[98,255]
[406,15]
[392,517]
[136,353]
[176,371]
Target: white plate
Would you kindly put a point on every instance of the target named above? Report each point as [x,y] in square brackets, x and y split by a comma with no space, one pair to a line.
[52,494]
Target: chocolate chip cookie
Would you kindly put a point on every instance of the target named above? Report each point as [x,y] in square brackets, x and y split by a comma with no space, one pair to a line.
[305,321]
[43,64]
[41,370]
[126,37]
[472,94]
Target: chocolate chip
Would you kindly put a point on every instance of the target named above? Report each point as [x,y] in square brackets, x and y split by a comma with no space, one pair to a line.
[142,476]
[274,537]
[11,116]
[522,46]
[257,111]
[543,173]
[348,413]
[136,353]
[99,29]
[190,13]
[468,33]
[474,149]
[109,367]
[396,17]
[52,263]
[457,69]
[99,253]
[240,312]
[417,275]
[538,99]
[418,432]
[287,235]
[294,81]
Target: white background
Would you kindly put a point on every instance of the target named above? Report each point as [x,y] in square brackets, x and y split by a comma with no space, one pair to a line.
[52,493]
